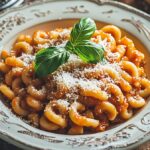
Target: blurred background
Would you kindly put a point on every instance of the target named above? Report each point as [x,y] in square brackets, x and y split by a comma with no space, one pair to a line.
[140,4]
[143,5]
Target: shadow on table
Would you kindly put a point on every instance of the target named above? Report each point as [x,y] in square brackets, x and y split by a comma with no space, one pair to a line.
[5,146]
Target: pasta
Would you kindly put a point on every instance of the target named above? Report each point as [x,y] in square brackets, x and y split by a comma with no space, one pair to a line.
[136,102]
[16,106]
[24,38]
[4,54]
[52,116]
[40,37]
[22,47]
[81,120]
[98,94]
[4,68]
[34,119]
[15,72]
[108,108]
[27,74]
[17,85]
[47,125]
[78,98]
[39,94]
[115,90]
[7,91]
[113,30]
[75,129]
[126,114]
[14,62]
[34,103]
[146,91]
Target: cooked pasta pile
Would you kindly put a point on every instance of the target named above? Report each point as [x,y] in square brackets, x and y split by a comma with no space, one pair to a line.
[78,98]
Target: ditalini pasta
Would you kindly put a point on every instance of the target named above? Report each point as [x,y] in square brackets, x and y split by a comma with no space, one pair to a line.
[78,98]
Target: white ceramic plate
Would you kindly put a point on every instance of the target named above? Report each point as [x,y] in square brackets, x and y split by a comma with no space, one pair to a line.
[127,135]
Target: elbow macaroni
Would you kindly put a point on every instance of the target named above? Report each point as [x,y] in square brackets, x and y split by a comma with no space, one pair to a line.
[51,115]
[49,105]
[79,119]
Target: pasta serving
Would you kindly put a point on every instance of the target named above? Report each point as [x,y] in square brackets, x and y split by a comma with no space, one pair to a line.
[78,98]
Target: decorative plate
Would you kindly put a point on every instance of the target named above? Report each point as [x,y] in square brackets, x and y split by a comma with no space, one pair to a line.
[125,136]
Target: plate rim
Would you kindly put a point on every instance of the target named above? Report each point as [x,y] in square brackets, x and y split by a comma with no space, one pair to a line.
[99,2]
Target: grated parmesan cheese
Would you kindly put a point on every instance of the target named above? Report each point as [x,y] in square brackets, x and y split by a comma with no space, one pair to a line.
[27,58]
[75,75]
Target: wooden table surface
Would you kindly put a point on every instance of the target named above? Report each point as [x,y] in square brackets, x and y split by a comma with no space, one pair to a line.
[140,4]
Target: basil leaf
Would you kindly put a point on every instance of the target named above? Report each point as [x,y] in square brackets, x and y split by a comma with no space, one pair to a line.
[83,30]
[69,47]
[89,52]
[80,43]
[49,59]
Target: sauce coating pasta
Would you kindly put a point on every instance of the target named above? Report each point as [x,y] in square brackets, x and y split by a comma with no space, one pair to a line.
[78,98]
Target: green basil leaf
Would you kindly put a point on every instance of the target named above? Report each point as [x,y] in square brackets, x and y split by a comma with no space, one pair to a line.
[69,47]
[89,52]
[49,59]
[83,30]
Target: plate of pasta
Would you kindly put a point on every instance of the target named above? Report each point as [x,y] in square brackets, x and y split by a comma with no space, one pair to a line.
[74,75]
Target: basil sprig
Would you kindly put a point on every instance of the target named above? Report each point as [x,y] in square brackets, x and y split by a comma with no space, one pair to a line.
[83,30]
[49,59]
[88,51]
